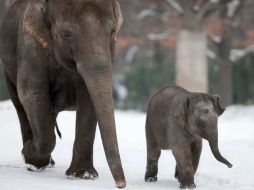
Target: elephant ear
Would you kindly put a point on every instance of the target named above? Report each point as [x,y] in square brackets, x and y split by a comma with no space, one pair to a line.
[217,106]
[180,110]
[34,22]
[118,18]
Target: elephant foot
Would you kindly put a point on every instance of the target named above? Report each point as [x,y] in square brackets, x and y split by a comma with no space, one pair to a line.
[51,163]
[191,186]
[37,165]
[87,174]
[33,168]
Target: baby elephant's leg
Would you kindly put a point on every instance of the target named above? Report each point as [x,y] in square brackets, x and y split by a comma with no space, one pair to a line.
[183,158]
[196,149]
[177,173]
[153,154]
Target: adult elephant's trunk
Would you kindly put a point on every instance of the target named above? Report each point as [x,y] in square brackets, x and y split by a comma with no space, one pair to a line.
[98,78]
[213,142]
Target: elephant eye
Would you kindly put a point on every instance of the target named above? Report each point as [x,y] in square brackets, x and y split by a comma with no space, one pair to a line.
[66,34]
[201,123]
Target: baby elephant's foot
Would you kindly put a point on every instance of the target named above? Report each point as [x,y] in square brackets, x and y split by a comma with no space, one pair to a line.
[177,176]
[88,173]
[191,186]
[151,177]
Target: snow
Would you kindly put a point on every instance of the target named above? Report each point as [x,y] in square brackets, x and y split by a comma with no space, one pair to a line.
[236,142]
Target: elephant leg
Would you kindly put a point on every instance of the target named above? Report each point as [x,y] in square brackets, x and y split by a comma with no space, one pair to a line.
[153,155]
[196,149]
[26,131]
[183,157]
[37,151]
[82,160]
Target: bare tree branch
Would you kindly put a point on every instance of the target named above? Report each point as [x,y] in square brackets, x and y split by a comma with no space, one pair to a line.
[149,12]
[236,54]
[176,7]
[206,10]
[232,8]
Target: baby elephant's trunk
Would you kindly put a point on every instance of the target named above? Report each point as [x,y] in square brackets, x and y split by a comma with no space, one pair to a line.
[213,142]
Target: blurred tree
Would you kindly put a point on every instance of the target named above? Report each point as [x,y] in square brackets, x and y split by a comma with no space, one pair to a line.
[244,85]
[143,56]
[233,40]
[228,16]
[147,76]
[191,47]
[194,15]
[223,21]
[227,23]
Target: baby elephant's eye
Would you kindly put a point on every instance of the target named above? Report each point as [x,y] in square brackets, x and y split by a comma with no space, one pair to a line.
[206,111]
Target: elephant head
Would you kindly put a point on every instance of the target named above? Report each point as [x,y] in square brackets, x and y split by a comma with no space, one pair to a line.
[200,117]
[81,35]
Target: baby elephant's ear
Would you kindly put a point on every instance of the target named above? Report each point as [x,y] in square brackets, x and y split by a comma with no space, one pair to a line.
[217,105]
[180,113]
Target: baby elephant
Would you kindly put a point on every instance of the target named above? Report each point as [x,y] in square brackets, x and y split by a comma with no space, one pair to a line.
[178,120]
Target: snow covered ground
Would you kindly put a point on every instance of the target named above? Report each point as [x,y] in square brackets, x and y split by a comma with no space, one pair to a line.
[236,142]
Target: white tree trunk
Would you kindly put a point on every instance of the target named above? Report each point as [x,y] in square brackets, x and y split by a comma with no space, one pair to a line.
[191,61]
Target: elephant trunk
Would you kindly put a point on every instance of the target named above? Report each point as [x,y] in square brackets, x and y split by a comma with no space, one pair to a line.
[213,142]
[98,78]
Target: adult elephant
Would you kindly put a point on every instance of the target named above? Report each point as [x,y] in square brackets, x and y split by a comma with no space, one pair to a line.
[57,55]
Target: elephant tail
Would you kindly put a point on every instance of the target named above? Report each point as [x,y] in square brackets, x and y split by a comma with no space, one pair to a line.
[56,125]
[58,131]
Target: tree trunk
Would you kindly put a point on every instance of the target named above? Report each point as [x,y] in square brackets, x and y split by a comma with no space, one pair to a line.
[225,85]
[191,61]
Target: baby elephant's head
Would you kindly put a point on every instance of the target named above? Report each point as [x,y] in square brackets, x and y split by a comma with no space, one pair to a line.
[201,118]
[202,115]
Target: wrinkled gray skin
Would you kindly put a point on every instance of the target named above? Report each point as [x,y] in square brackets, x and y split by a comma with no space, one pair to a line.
[178,120]
[57,55]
